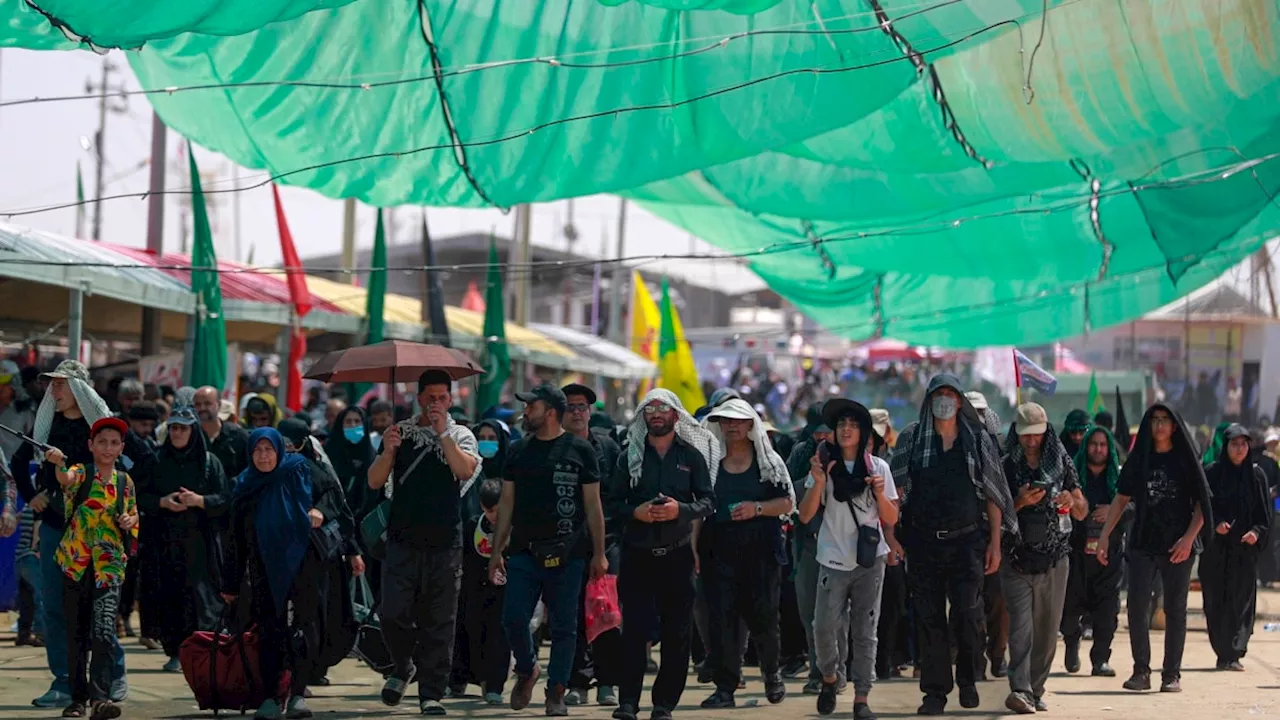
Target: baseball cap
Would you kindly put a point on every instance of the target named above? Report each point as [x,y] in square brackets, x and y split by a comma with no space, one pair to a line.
[1031,419]
[977,400]
[880,421]
[1272,436]
[107,423]
[550,394]
[68,370]
[185,415]
[578,389]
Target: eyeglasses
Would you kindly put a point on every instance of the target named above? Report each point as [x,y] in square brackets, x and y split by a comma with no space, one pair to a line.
[577,407]
[653,408]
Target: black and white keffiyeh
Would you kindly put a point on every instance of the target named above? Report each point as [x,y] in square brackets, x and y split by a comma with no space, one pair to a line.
[687,429]
[423,437]
[773,468]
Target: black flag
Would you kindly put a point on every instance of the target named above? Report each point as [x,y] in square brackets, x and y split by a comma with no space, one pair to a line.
[433,298]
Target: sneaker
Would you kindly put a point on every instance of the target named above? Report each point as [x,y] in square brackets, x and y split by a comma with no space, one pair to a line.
[704,673]
[813,687]
[862,711]
[795,668]
[575,697]
[149,643]
[932,705]
[1172,685]
[173,665]
[1235,666]
[1073,656]
[105,710]
[297,708]
[969,697]
[522,693]
[827,699]
[660,713]
[493,698]
[718,701]
[606,696]
[119,691]
[774,689]
[625,711]
[1018,703]
[432,707]
[1040,705]
[393,689]
[1139,681]
[555,702]
[52,699]
[1103,670]
[268,710]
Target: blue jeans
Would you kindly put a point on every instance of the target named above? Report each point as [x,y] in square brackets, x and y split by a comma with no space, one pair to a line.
[559,589]
[55,625]
[31,618]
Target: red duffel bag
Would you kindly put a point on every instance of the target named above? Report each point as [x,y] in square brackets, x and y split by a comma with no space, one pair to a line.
[224,672]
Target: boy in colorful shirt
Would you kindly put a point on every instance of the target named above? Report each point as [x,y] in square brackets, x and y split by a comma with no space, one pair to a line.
[101,525]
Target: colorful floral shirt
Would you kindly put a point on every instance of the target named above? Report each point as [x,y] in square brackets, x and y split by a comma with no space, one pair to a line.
[92,534]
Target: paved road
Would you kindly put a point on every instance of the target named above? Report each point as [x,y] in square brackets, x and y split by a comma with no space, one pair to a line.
[354,694]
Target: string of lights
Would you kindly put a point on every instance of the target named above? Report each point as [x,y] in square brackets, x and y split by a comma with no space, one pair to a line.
[1058,203]
[516,135]
[564,60]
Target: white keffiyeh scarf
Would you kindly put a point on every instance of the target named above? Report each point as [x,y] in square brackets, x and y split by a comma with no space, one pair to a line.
[687,429]
[772,467]
[93,407]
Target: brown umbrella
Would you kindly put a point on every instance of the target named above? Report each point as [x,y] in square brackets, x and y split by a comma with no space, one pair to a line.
[392,361]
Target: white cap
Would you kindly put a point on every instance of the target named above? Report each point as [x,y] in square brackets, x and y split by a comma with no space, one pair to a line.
[977,400]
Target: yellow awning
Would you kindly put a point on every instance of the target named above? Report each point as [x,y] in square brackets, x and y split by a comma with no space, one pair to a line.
[408,311]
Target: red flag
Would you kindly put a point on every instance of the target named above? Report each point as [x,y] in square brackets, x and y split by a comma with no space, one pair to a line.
[472,299]
[301,297]
[294,273]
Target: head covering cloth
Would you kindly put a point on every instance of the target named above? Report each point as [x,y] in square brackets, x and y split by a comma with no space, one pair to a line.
[773,468]
[281,523]
[687,429]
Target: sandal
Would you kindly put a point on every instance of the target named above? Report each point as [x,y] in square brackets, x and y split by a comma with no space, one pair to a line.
[105,710]
[74,710]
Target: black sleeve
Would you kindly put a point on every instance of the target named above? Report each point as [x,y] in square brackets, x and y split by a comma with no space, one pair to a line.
[1261,509]
[704,498]
[616,492]
[513,456]
[1071,478]
[20,466]
[219,487]
[1129,482]
[237,550]
[148,497]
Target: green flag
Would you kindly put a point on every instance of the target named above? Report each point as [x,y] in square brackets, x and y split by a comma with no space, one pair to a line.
[374,302]
[1095,405]
[209,351]
[497,361]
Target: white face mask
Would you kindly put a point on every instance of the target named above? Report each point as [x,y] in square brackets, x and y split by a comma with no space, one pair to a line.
[945,407]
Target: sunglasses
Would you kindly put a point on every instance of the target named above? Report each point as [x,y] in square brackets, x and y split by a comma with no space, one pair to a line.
[654,408]
[577,407]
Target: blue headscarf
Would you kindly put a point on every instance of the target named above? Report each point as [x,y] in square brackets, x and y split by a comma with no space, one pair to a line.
[281,522]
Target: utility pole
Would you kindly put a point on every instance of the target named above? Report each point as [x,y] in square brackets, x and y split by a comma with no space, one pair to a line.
[152,340]
[99,139]
[235,211]
[349,239]
[615,289]
[523,286]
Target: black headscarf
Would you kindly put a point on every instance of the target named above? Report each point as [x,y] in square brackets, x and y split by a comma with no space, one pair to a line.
[494,466]
[195,447]
[350,461]
[1240,494]
[1077,421]
[1186,453]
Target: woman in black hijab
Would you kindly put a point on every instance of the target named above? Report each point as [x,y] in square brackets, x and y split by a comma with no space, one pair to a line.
[351,452]
[1229,565]
[183,500]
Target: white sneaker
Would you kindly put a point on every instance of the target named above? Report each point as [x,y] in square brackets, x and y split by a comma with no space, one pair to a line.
[268,710]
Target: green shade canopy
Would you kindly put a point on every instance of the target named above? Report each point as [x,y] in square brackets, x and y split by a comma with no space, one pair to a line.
[945,172]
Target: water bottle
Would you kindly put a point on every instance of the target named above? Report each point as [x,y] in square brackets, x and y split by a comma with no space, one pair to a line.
[1271,627]
[1064,520]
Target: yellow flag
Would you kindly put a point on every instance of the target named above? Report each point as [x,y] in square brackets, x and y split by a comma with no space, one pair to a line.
[677,371]
[645,324]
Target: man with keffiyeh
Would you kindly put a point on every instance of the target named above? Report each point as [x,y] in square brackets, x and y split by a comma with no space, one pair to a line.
[67,412]
[658,494]
[957,509]
[1093,589]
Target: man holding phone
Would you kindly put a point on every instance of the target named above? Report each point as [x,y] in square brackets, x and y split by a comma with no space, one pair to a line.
[658,494]
[1045,486]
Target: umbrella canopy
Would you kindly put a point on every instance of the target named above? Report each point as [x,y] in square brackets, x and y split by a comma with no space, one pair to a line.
[392,361]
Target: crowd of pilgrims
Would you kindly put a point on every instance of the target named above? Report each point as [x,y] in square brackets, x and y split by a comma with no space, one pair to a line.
[848,554]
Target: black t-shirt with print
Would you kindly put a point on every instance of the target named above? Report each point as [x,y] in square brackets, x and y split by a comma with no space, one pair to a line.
[424,503]
[1164,498]
[548,477]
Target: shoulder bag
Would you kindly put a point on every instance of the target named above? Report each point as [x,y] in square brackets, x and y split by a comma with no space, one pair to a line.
[373,528]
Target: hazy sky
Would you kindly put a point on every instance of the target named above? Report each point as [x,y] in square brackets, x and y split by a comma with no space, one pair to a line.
[40,145]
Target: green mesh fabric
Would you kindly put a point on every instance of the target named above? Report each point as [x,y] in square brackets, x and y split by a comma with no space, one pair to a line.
[896,168]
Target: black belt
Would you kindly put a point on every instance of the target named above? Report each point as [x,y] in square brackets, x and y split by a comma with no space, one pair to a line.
[665,549]
[950,534]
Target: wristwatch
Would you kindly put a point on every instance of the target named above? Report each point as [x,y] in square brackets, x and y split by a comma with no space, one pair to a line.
[759,509]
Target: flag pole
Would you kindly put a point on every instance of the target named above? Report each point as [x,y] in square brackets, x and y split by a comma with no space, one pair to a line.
[1017,375]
